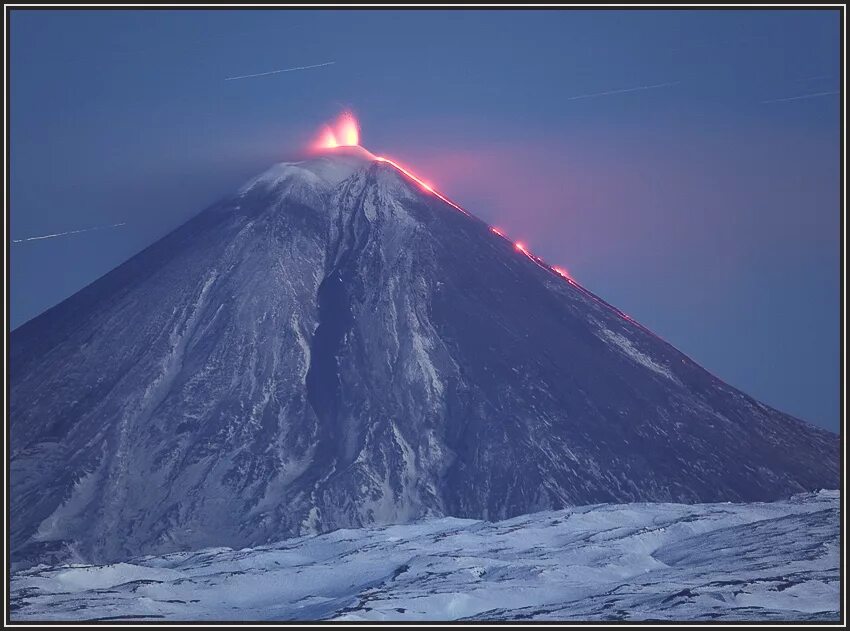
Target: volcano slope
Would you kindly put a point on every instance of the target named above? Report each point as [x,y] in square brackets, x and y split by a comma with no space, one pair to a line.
[335,346]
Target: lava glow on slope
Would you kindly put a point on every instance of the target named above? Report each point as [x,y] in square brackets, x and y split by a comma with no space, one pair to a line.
[560,271]
[345,132]
[423,184]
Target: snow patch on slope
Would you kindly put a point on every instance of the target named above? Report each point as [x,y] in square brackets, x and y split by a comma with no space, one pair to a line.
[322,172]
[625,345]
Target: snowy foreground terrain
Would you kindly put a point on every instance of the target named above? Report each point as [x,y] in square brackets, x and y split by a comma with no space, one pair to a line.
[776,561]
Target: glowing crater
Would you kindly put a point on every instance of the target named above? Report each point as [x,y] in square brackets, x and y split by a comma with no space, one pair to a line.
[343,132]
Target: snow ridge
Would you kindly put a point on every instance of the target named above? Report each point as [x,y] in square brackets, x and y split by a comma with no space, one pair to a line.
[676,562]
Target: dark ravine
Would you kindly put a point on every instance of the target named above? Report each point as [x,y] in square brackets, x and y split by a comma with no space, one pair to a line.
[322,380]
[335,347]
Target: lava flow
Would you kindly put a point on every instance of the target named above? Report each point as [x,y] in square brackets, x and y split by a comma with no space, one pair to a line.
[421,183]
[345,132]
[560,271]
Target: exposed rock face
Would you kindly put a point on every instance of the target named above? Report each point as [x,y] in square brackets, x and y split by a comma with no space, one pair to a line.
[334,347]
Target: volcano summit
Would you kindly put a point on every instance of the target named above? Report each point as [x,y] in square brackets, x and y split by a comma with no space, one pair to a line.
[337,345]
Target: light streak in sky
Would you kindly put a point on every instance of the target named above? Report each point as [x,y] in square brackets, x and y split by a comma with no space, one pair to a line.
[803,96]
[639,88]
[264,74]
[69,232]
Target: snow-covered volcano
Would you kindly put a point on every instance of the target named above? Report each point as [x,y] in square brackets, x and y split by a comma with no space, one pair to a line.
[334,346]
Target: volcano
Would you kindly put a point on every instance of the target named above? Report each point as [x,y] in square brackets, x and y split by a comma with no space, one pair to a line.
[337,345]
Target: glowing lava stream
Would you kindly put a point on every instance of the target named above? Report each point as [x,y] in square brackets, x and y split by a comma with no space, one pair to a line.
[345,132]
[421,183]
[519,246]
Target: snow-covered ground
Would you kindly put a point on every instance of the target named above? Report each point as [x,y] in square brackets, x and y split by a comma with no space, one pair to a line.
[776,561]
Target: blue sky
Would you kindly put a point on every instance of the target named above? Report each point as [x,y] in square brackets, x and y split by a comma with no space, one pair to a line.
[706,207]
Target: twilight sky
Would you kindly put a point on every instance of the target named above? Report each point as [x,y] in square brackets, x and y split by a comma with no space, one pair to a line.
[706,204]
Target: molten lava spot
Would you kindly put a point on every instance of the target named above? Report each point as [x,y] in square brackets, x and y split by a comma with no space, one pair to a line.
[560,271]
